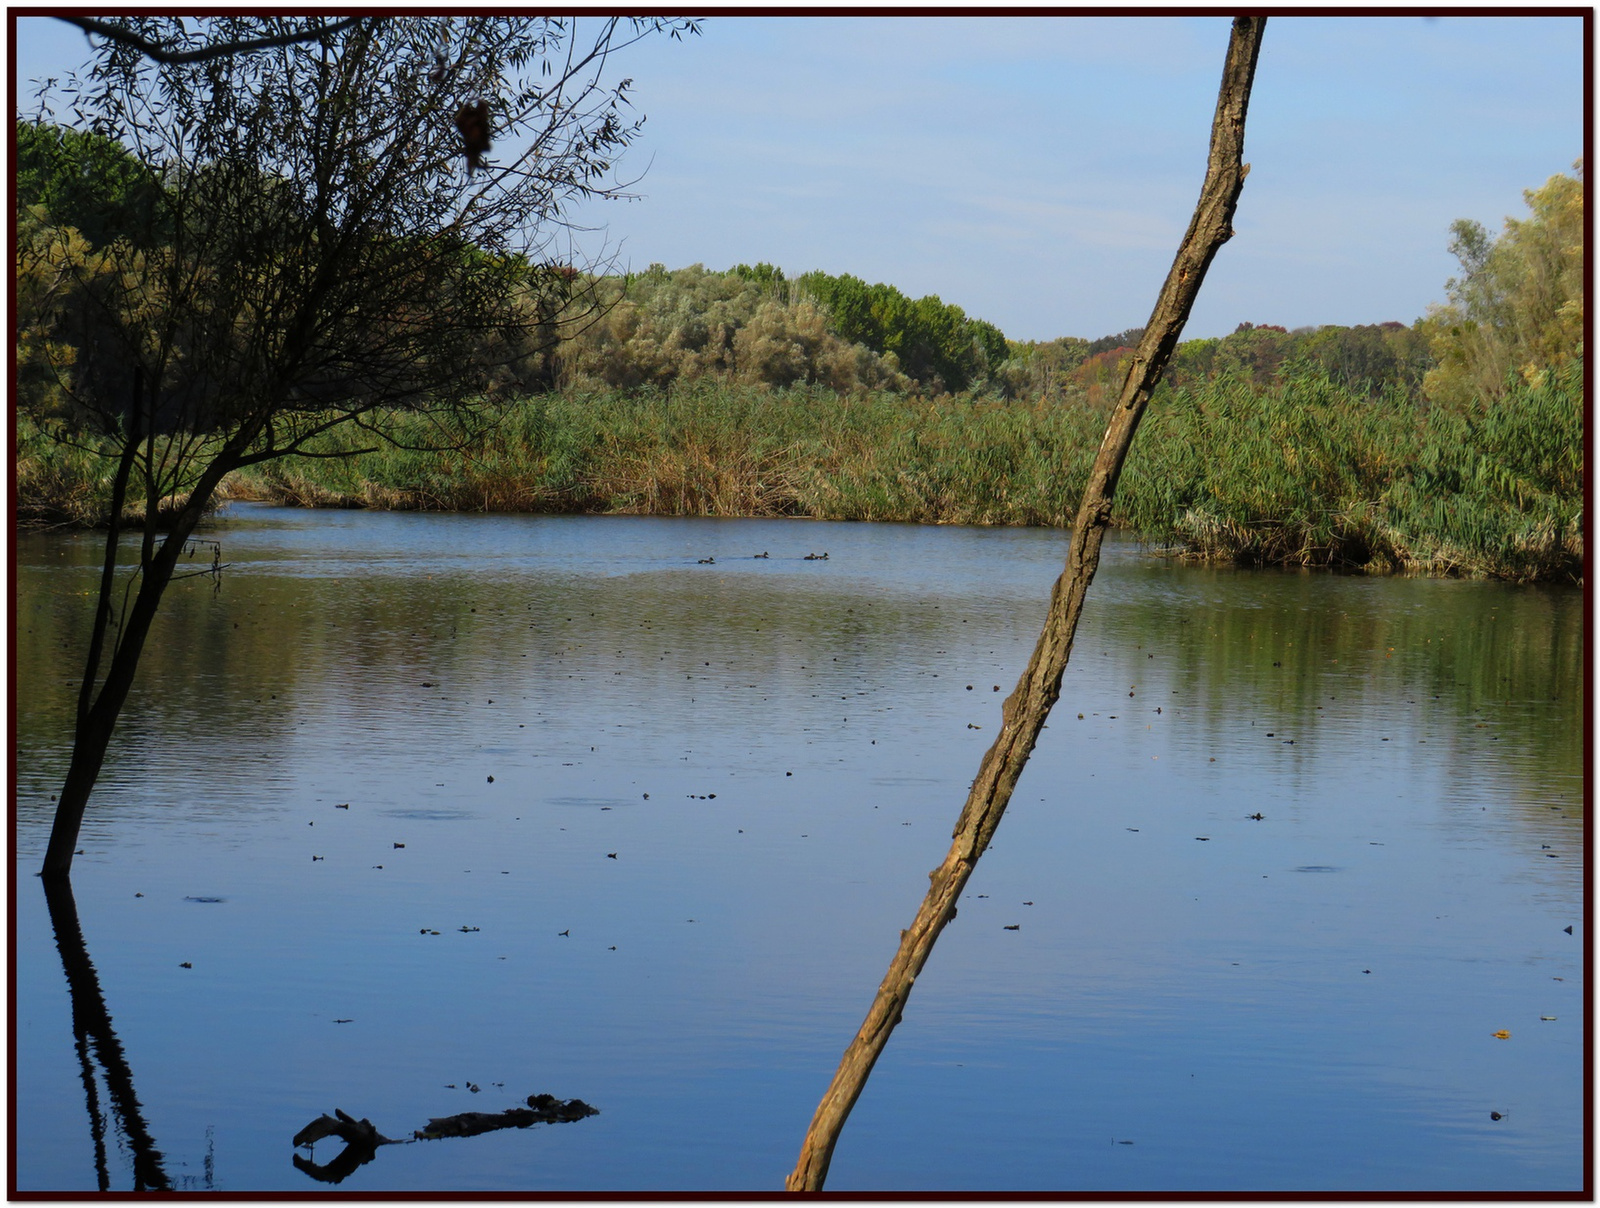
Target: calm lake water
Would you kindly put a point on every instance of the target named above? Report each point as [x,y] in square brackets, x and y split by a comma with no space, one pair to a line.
[682,811]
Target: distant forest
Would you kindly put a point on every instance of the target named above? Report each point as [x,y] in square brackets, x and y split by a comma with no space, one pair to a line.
[754,325]
[1517,310]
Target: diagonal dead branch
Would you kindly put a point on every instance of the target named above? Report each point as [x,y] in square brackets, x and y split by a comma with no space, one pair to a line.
[1028,706]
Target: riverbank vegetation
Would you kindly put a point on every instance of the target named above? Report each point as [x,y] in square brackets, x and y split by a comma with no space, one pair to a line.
[1453,445]
[1301,472]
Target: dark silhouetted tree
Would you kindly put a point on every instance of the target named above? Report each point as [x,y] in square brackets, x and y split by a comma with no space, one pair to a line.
[312,253]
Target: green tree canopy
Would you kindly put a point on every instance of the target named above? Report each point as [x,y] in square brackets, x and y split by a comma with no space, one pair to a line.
[935,342]
[1517,308]
[84,180]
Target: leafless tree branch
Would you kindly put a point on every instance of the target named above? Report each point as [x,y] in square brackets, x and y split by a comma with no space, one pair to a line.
[218,50]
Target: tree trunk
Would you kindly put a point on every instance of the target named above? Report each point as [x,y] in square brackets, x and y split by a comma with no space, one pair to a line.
[97,721]
[1028,706]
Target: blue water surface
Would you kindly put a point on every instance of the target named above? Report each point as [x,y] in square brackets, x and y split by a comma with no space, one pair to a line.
[419,814]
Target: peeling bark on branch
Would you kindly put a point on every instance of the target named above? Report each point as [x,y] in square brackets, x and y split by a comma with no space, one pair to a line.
[1028,706]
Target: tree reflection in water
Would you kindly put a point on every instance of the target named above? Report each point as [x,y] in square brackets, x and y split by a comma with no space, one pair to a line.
[96,1043]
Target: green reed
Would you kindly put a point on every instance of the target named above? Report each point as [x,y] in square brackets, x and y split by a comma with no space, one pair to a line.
[1305,472]
[1301,472]
[67,482]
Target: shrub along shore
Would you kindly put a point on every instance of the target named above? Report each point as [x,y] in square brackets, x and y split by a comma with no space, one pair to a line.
[1300,472]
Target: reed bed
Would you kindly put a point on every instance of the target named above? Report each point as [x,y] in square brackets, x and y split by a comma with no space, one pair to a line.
[68,485]
[1301,472]
[713,451]
[1307,473]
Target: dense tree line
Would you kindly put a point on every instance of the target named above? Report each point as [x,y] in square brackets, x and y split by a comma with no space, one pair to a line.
[1370,358]
[935,342]
[1517,310]
[749,327]
[753,325]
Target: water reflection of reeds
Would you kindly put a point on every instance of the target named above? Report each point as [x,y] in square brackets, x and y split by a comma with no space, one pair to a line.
[1471,664]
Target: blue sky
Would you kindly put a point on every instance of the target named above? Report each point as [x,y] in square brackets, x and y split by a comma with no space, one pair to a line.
[1039,171]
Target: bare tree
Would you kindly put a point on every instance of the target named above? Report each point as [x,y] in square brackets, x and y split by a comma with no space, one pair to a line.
[326,243]
[1026,709]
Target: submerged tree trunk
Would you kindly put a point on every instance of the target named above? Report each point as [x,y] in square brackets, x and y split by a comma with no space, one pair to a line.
[98,710]
[1029,704]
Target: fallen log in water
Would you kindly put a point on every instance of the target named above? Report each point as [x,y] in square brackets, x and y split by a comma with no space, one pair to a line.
[361,1146]
[362,1139]
[541,1109]
[346,1128]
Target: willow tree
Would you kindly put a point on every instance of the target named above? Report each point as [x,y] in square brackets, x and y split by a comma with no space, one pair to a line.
[350,224]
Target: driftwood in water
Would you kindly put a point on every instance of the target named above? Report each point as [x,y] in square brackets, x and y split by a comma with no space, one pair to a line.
[541,1109]
[362,1139]
[348,1129]
[361,1146]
